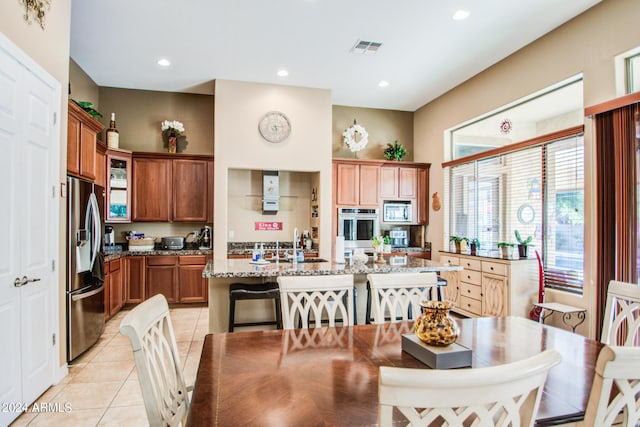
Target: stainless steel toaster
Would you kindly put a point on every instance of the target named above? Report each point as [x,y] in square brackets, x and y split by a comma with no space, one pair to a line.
[172,242]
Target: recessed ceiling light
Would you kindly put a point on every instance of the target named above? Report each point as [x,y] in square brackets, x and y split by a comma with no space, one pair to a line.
[383,83]
[283,73]
[163,62]
[460,15]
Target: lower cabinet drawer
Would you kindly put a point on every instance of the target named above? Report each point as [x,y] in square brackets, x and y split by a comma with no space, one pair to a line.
[494,267]
[449,260]
[193,260]
[470,276]
[470,264]
[470,290]
[471,305]
[162,260]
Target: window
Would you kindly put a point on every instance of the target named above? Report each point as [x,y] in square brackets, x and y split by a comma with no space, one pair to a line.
[633,73]
[564,214]
[537,190]
[550,110]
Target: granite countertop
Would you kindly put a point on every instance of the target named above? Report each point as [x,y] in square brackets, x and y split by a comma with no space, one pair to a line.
[231,268]
[110,256]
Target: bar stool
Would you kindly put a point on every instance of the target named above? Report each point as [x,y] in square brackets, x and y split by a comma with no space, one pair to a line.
[248,291]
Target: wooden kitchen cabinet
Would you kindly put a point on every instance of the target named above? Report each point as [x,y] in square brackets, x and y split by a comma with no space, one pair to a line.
[190,193]
[82,131]
[193,287]
[210,175]
[492,286]
[357,184]
[172,188]
[116,286]
[162,277]
[398,183]
[135,284]
[107,291]
[422,192]
[152,189]
[101,165]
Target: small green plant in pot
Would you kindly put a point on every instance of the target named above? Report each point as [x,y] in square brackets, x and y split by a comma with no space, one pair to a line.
[474,245]
[395,151]
[523,245]
[456,241]
[506,248]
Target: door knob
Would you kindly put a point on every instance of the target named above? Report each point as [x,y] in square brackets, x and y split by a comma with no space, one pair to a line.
[18,282]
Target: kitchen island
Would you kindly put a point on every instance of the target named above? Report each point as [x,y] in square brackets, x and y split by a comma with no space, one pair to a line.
[222,272]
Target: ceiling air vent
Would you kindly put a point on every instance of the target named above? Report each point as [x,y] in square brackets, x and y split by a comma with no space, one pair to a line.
[365,47]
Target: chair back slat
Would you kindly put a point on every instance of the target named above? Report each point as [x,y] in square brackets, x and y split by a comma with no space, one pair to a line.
[621,323]
[157,361]
[397,296]
[504,395]
[312,300]
[615,394]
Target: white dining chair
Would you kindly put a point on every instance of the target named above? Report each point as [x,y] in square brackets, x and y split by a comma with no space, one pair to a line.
[397,296]
[307,299]
[621,322]
[504,395]
[617,371]
[164,392]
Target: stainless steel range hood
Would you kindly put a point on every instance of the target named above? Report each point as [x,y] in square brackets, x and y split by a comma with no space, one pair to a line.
[270,192]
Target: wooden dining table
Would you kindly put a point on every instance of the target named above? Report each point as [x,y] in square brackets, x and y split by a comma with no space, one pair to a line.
[329,376]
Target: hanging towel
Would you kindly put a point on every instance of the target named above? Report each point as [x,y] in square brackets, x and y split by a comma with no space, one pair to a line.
[98,269]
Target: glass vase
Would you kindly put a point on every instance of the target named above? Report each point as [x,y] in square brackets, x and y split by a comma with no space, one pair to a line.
[435,326]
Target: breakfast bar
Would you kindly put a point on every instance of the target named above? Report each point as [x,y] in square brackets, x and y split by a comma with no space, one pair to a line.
[222,272]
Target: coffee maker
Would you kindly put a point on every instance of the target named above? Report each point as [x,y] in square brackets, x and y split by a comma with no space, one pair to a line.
[205,237]
[399,238]
[109,236]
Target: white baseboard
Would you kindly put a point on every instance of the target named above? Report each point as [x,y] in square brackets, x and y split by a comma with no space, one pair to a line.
[60,373]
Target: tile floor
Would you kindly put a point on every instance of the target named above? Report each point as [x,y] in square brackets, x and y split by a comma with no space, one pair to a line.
[102,388]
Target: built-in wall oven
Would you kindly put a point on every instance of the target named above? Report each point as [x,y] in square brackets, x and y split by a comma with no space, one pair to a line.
[358,226]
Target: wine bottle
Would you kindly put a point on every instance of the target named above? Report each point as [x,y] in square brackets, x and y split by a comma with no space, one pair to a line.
[113,137]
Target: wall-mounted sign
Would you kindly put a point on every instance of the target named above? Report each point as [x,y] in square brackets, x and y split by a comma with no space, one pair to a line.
[268,226]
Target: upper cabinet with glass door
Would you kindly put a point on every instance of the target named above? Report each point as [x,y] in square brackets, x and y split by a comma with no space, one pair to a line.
[118,186]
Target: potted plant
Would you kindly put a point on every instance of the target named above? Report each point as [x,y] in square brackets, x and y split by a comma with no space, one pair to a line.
[464,244]
[456,242]
[395,151]
[387,245]
[475,245]
[506,248]
[378,241]
[523,245]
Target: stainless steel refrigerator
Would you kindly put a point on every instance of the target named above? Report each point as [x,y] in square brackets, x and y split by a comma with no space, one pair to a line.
[85,266]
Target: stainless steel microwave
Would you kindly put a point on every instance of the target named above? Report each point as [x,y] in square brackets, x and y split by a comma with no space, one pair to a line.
[397,212]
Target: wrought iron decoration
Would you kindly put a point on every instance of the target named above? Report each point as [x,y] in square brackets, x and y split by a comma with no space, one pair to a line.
[35,10]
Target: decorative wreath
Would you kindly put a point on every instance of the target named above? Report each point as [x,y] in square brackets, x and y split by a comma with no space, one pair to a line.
[350,137]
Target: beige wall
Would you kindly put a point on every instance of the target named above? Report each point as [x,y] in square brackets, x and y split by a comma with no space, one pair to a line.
[83,88]
[586,44]
[238,145]
[50,49]
[139,114]
[244,207]
[383,127]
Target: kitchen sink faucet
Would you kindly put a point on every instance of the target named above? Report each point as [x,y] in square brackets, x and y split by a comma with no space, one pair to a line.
[296,237]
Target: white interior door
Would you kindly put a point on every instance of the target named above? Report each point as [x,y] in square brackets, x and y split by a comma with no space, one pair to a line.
[27,284]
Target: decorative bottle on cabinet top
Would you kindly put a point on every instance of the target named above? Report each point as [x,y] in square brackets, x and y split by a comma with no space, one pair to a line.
[113,136]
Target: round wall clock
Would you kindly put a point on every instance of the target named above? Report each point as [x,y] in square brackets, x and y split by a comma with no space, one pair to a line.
[274,126]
